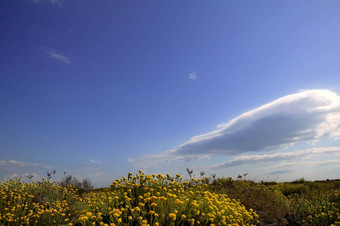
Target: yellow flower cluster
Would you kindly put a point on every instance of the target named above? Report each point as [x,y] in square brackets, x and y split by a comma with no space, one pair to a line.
[136,200]
[323,214]
[34,203]
[164,200]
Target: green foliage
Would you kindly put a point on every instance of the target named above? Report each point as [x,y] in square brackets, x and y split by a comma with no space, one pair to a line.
[311,203]
[271,205]
[292,188]
[319,211]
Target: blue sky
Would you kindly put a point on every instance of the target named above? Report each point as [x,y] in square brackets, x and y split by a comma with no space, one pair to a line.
[101,88]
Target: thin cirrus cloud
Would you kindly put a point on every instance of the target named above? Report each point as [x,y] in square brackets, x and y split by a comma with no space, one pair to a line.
[50,1]
[12,168]
[303,117]
[280,172]
[19,164]
[95,161]
[58,56]
[254,159]
[192,75]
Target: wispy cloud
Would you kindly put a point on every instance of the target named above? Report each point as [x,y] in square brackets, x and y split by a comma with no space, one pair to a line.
[254,159]
[54,2]
[329,162]
[95,161]
[93,175]
[192,75]
[58,56]
[14,163]
[280,172]
[303,117]
[285,164]
[13,168]
[89,168]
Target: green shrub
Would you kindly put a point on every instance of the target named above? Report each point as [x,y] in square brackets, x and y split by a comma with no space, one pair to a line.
[319,211]
[271,205]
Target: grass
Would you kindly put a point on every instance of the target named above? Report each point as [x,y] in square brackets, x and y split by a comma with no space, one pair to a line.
[159,199]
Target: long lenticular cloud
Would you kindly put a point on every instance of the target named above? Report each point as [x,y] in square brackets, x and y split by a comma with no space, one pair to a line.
[303,117]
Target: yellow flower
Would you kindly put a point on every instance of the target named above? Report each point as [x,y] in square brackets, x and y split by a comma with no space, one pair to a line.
[172,216]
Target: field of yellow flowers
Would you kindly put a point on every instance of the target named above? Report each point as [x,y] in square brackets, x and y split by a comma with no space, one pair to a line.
[137,200]
[140,199]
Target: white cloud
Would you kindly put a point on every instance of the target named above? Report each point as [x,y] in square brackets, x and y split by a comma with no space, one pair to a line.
[330,162]
[280,172]
[303,117]
[254,159]
[14,163]
[55,1]
[14,167]
[49,1]
[58,56]
[95,161]
[93,175]
[192,75]
[291,164]
[91,168]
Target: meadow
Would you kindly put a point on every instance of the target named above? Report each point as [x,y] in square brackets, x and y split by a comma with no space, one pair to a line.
[141,199]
